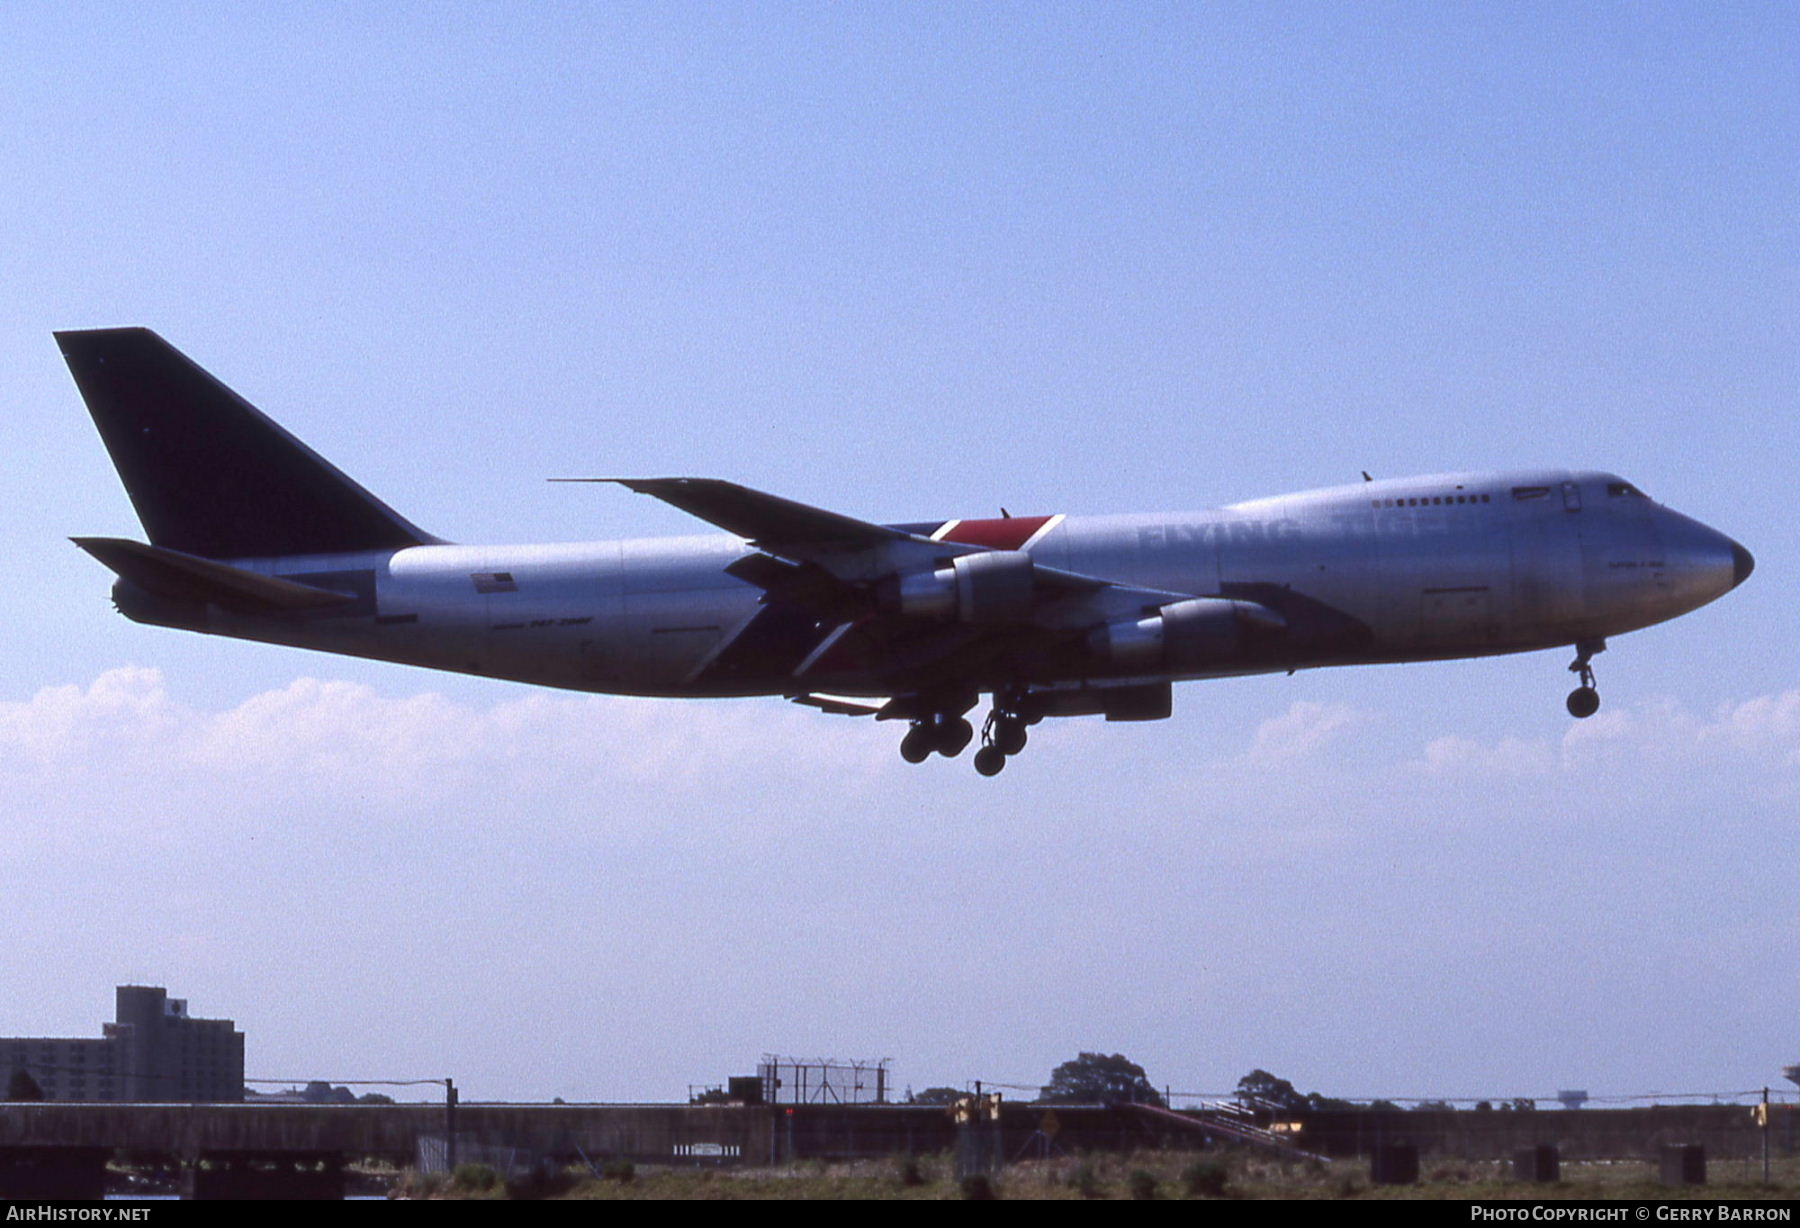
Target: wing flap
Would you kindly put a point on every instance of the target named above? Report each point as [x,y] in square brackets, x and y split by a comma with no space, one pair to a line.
[837,705]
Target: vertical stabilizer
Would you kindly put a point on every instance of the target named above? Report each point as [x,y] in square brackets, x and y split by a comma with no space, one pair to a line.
[209,474]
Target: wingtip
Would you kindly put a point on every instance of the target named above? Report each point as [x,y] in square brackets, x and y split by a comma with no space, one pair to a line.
[643,486]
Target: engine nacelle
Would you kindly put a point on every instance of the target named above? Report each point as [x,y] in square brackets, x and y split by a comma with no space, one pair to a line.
[993,587]
[1150,702]
[1190,634]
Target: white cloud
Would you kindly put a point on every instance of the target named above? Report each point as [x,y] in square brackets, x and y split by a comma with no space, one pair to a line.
[1303,730]
[1763,731]
[337,739]
[1766,728]
[313,732]
[119,709]
[1507,757]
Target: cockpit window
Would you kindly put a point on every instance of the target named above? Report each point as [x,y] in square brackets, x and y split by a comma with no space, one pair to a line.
[1624,490]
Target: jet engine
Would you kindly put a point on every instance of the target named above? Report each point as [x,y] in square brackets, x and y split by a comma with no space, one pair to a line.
[992,587]
[1151,702]
[1183,635]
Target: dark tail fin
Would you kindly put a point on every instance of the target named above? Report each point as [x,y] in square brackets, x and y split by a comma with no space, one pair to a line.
[208,473]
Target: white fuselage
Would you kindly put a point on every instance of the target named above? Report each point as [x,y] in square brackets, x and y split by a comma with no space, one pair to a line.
[1412,569]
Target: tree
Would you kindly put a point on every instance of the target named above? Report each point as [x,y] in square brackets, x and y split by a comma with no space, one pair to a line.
[321,1092]
[23,1087]
[938,1095]
[1094,1078]
[1261,1087]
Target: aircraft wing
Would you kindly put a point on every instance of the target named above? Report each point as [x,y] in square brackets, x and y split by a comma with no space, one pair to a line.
[770,522]
[822,572]
[797,531]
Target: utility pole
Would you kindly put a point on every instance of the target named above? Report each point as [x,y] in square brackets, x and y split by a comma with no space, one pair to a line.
[1765,1134]
[450,1123]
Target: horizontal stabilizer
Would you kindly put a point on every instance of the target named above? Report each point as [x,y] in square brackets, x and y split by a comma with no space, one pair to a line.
[170,573]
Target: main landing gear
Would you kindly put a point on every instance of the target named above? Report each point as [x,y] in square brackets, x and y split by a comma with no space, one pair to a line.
[1584,700]
[1001,737]
[942,732]
[947,734]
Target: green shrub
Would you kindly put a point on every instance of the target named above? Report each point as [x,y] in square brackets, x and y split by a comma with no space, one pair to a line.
[1142,1185]
[1086,1181]
[475,1178]
[541,1183]
[1205,1178]
[977,1188]
[415,1184]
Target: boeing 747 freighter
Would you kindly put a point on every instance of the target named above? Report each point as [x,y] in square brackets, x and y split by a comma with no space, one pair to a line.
[254,535]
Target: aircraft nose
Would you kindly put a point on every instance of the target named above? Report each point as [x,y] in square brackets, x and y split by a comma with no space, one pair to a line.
[1742,564]
[1700,564]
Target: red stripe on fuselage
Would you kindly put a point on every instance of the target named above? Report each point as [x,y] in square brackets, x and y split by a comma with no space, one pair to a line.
[1009,533]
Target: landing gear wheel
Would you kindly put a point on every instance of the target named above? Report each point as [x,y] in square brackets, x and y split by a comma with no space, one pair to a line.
[952,734]
[1009,735]
[1584,700]
[919,742]
[989,760]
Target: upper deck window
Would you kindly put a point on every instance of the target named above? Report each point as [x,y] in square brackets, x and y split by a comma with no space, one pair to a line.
[1430,501]
[1624,489]
[1531,492]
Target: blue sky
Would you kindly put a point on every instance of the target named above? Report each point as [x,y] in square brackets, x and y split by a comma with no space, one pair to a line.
[910,261]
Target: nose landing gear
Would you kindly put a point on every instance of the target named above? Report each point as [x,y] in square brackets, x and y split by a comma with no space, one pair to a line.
[1584,700]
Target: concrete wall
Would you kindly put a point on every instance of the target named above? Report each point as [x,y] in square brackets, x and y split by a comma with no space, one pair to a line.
[1726,1131]
[764,1134]
[647,1132]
